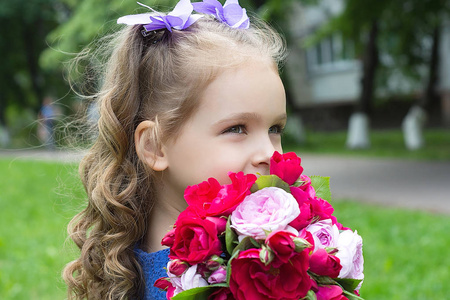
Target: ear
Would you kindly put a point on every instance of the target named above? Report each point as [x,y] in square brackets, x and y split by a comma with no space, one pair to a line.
[147,148]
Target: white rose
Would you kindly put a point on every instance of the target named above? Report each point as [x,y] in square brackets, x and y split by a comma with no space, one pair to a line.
[191,279]
[351,256]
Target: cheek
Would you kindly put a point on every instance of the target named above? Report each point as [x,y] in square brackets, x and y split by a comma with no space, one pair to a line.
[276,142]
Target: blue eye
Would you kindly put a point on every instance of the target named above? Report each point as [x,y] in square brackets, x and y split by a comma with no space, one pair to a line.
[236,129]
[276,129]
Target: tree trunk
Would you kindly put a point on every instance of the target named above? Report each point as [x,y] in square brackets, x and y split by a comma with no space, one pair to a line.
[414,121]
[430,96]
[32,59]
[359,124]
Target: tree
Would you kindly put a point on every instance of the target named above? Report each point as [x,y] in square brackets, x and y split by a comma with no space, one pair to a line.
[24,26]
[399,29]
[417,46]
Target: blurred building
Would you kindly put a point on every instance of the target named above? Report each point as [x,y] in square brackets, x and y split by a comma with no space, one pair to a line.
[325,78]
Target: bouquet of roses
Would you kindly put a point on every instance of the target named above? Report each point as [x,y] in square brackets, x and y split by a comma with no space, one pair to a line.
[271,237]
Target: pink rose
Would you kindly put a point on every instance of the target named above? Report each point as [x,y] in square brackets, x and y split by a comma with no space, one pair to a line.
[209,198]
[324,264]
[321,208]
[253,280]
[330,292]
[286,166]
[195,240]
[350,254]
[282,244]
[325,234]
[266,210]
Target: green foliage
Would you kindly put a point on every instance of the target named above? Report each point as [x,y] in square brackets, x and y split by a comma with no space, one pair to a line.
[321,186]
[230,237]
[269,181]
[89,21]
[24,25]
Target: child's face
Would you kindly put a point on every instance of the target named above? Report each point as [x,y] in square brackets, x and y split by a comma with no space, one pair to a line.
[236,127]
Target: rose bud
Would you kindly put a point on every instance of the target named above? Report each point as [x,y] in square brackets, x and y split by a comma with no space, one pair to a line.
[266,255]
[163,283]
[218,276]
[168,238]
[301,244]
[178,267]
[282,244]
[203,270]
[214,262]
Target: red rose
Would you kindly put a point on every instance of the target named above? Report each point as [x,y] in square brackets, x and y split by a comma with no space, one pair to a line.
[282,244]
[324,264]
[330,292]
[252,280]
[195,240]
[286,166]
[209,198]
[221,294]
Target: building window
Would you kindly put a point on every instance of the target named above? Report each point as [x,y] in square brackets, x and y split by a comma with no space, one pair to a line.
[332,53]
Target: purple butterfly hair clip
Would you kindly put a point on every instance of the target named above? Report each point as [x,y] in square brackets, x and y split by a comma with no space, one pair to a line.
[231,13]
[180,18]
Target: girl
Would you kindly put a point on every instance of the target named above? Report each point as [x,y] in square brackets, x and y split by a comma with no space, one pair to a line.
[179,104]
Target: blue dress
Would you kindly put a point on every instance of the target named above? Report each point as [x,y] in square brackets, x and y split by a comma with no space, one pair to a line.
[153,266]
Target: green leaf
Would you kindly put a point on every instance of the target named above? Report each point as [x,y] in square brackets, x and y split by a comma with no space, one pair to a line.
[269,181]
[200,293]
[348,284]
[322,187]
[231,238]
[246,243]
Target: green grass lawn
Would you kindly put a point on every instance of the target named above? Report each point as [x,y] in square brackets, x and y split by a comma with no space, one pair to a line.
[35,209]
[384,143]
[406,252]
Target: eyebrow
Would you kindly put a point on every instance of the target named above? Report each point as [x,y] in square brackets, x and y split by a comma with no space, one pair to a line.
[246,117]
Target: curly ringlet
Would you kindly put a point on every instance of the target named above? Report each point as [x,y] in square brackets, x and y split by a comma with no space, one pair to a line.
[159,77]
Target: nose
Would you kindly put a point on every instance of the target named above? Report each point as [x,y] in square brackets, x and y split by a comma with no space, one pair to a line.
[262,154]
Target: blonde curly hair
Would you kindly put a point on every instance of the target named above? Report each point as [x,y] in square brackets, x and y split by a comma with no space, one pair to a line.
[160,78]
